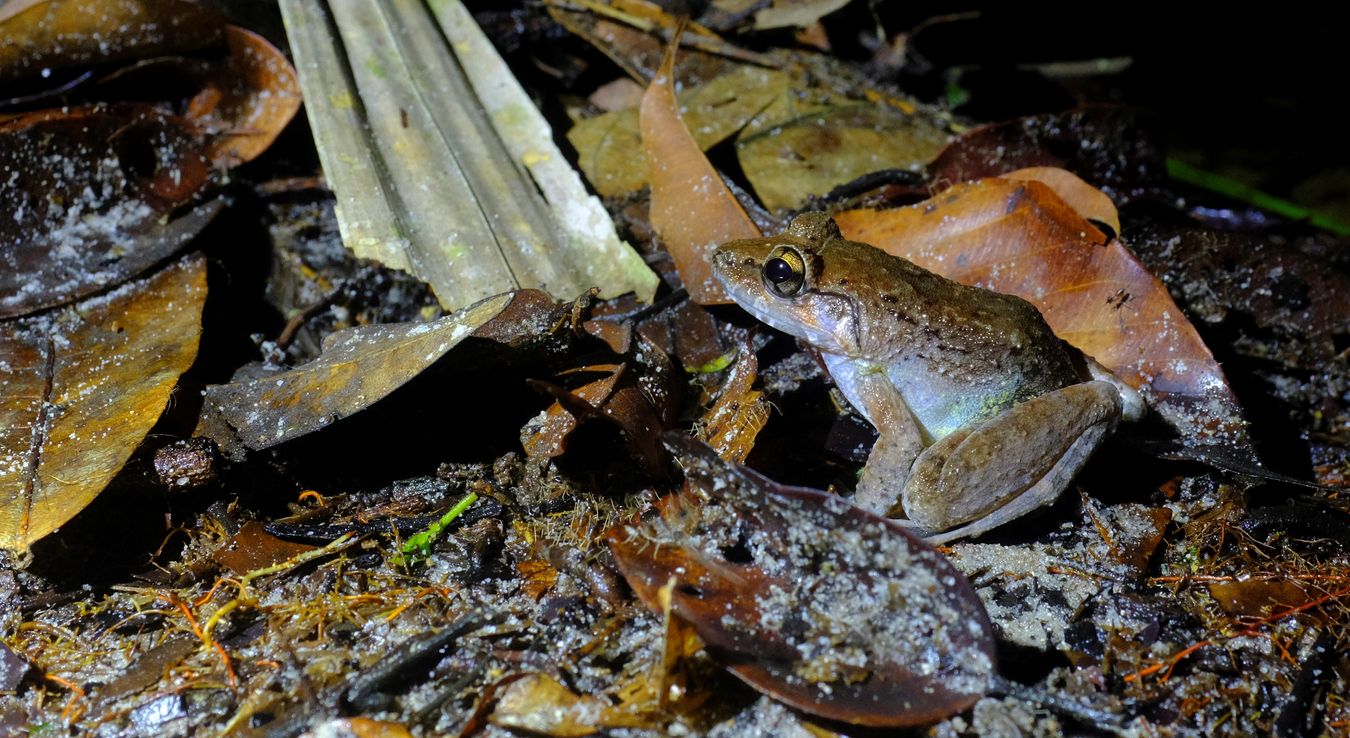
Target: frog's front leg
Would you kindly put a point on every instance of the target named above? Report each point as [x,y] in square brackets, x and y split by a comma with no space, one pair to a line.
[900,439]
[1010,465]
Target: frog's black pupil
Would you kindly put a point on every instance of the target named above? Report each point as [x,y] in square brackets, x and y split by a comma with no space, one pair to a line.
[778,271]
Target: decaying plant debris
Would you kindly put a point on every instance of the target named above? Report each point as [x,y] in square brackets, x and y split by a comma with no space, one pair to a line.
[364,514]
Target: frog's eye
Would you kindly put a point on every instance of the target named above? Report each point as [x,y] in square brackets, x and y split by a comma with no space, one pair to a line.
[785,272]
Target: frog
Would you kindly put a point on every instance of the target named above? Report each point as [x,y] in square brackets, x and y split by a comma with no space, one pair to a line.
[983,414]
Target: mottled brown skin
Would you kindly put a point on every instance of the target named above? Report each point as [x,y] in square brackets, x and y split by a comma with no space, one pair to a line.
[979,405]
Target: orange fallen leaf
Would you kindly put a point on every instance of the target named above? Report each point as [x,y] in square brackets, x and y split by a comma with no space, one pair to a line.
[537,577]
[248,101]
[79,389]
[254,548]
[691,208]
[1022,239]
[547,435]
[1088,201]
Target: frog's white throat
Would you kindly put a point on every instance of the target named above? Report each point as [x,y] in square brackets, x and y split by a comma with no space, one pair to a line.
[824,334]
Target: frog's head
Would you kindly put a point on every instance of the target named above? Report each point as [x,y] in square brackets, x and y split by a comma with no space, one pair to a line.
[791,282]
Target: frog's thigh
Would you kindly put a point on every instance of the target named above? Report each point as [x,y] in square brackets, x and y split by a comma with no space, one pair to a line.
[1012,464]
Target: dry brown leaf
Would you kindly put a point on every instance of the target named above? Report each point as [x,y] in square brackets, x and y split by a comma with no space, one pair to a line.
[1022,239]
[546,436]
[250,99]
[537,577]
[79,389]
[357,368]
[540,704]
[615,397]
[57,34]
[1259,598]
[254,548]
[691,208]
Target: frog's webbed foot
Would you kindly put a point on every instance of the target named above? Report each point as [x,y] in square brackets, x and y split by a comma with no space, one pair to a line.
[1019,461]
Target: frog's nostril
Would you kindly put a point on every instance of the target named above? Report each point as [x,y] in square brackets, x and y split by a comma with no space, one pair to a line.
[748,261]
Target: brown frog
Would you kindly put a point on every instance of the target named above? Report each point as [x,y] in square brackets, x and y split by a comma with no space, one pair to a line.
[984,414]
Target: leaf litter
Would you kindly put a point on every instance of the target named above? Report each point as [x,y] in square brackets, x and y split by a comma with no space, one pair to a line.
[1101,600]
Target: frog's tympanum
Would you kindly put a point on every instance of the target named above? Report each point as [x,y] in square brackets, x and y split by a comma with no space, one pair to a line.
[983,414]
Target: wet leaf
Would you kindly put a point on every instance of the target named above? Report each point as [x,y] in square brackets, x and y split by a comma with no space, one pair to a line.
[87,191]
[1258,598]
[1022,239]
[830,609]
[1106,145]
[609,146]
[358,367]
[13,669]
[57,34]
[739,412]
[79,389]
[150,667]
[540,704]
[448,191]
[251,97]
[254,548]
[690,334]
[691,209]
[790,158]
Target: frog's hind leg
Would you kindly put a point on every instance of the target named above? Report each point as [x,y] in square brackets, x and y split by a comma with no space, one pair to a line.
[1018,461]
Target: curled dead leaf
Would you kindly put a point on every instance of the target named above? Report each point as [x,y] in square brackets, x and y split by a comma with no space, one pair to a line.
[1088,201]
[249,99]
[738,413]
[79,389]
[814,602]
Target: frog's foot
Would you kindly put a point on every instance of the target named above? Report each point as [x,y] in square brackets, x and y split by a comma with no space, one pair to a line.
[1011,465]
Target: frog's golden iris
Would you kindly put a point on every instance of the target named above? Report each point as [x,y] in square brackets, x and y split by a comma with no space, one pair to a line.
[785,272]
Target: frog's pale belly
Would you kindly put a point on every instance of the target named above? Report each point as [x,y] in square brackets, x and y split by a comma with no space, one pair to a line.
[942,402]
